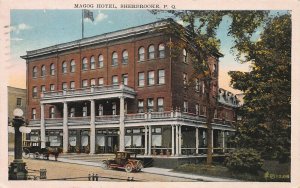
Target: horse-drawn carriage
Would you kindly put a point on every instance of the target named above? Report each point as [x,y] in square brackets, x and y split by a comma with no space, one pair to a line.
[33,148]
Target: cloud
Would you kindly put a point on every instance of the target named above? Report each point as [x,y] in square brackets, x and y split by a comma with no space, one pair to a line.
[20,27]
[16,39]
[100,17]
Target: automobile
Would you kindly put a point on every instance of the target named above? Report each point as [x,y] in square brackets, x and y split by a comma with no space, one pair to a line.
[124,160]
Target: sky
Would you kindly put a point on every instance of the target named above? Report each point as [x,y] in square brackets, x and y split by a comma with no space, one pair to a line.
[34,29]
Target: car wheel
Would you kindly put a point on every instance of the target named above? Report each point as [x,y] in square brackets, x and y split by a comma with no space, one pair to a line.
[36,155]
[128,167]
[105,165]
[25,153]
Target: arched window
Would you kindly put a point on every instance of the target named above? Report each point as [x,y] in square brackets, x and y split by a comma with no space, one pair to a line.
[151,52]
[43,72]
[92,65]
[125,57]
[114,59]
[52,69]
[34,72]
[72,65]
[84,63]
[184,54]
[100,61]
[141,54]
[161,50]
[64,67]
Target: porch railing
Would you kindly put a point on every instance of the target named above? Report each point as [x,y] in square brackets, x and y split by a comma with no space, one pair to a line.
[53,121]
[83,120]
[107,118]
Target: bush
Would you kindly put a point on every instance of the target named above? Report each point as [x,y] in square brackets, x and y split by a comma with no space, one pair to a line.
[244,160]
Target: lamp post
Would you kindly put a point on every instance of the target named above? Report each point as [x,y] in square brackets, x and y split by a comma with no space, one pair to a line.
[17,169]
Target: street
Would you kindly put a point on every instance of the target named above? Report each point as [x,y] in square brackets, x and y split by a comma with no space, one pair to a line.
[57,170]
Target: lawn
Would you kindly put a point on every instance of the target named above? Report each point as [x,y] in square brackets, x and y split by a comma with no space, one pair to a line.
[272,171]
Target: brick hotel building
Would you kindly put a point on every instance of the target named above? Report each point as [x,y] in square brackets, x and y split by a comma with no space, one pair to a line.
[123,90]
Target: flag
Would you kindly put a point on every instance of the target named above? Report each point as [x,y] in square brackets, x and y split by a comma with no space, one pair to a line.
[88,14]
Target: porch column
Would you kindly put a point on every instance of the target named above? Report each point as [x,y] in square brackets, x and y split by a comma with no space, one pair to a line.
[150,140]
[93,128]
[65,128]
[43,128]
[223,141]
[197,140]
[122,125]
[177,140]
[173,150]
[212,140]
[146,141]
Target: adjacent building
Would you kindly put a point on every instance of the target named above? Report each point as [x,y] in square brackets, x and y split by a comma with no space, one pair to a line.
[17,98]
[123,90]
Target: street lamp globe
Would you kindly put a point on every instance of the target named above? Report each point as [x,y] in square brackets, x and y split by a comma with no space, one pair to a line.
[18,112]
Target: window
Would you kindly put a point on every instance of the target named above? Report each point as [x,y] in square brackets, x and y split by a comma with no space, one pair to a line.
[141,54]
[33,113]
[72,112]
[100,110]
[216,114]
[125,79]
[101,81]
[92,64]
[100,61]
[52,69]
[64,67]
[84,83]
[84,64]
[197,109]
[115,80]
[185,79]
[114,108]
[184,55]
[161,51]
[160,104]
[52,87]
[43,88]
[197,84]
[64,86]
[185,106]
[52,112]
[150,104]
[125,57]
[151,78]
[34,92]
[214,69]
[114,59]
[34,72]
[141,79]
[203,87]
[43,72]
[19,101]
[161,76]
[72,85]
[84,111]
[93,82]
[141,106]
[72,67]
[204,110]
[151,52]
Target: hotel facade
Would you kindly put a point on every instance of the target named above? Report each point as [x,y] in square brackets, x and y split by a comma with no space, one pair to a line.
[124,90]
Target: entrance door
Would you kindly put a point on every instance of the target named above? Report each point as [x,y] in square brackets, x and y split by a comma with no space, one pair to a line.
[84,142]
[111,144]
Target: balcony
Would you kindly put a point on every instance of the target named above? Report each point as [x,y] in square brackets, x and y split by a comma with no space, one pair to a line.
[94,92]
[166,117]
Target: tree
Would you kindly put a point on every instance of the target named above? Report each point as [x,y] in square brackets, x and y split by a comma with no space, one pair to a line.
[200,40]
[267,88]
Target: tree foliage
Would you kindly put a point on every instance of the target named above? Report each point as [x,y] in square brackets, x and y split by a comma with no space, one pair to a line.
[267,88]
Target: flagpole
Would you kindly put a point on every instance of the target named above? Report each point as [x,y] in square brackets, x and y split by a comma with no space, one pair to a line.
[82,24]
